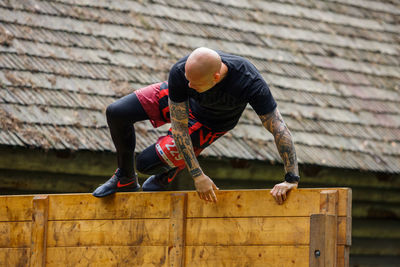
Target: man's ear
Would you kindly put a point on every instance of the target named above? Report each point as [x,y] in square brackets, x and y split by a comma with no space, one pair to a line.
[217,77]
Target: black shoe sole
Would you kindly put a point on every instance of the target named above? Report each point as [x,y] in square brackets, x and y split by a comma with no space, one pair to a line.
[115,190]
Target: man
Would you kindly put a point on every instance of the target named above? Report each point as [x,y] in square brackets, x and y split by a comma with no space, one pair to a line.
[204,98]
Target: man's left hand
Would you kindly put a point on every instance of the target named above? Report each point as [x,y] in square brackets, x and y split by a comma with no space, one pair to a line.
[205,188]
[280,190]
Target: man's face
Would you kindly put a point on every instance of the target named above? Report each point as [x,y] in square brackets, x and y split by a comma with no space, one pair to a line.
[201,84]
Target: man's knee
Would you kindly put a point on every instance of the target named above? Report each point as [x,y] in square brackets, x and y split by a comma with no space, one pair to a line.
[141,164]
[148,162]
[111,111]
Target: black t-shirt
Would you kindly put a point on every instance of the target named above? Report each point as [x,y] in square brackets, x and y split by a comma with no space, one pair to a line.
[221,106]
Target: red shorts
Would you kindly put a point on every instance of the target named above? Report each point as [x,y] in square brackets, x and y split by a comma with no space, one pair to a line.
[154,99]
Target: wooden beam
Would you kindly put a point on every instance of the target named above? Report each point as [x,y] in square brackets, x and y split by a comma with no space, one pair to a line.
[329,202]
[323,231]
[177,230]
[40,208]
[104,164]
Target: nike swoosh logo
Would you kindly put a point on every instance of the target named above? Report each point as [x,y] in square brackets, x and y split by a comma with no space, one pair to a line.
[170,179]
[119,185]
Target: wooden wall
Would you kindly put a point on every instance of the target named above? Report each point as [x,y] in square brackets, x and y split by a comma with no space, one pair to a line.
[245,228]
[376,196]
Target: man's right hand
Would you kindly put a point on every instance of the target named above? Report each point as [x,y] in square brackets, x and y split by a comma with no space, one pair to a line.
[205,188]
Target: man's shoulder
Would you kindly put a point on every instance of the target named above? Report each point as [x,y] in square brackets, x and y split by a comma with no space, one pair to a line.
[233,57]
[239,64]
[180,64]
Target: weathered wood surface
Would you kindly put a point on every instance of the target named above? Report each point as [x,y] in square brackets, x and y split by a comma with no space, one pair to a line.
[15,234]
[135,232]
[107,256]
[245,228]
[17,257]
[16,208]
[177,230]
[121,206]
[259,203]
[39,225]
[239,256]
[323,246]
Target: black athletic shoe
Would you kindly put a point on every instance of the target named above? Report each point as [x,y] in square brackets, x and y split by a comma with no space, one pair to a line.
[117,184]
[160,182]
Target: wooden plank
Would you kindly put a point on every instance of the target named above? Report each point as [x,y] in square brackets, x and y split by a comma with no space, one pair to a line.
[346,256]
[116,206]
[344,231]
[177,230]
[300,202]
[345,202]
[343,253]
[331,229]
[40,210]
[248,231]
[14,257]
[107,256]
[323,231]
[255,203]
[254,231]
[239,256]
[329,202]
[329,206]
[16,208]
[15,234]
[317,240]
[145,232]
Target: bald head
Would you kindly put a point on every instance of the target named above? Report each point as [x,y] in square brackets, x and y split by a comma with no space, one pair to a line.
[202,69]
[202,62]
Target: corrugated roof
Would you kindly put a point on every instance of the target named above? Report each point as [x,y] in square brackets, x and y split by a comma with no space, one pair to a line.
[333,66]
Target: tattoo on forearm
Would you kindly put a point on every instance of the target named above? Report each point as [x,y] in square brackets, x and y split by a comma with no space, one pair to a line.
[179,120]
[274,123]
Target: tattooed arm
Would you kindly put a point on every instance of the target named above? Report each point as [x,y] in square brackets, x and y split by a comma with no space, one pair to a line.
[179,120]
[274,123]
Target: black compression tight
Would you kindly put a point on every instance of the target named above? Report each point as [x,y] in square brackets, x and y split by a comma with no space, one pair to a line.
[121,116]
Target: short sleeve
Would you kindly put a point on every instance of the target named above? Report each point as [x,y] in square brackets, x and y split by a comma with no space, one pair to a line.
[177,85]
[260,97]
